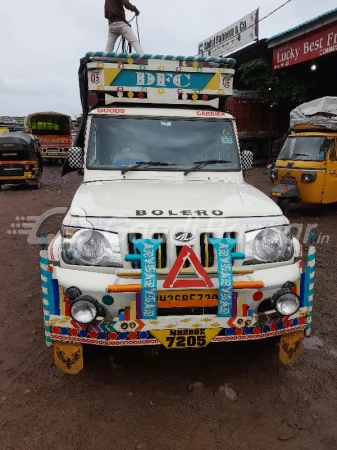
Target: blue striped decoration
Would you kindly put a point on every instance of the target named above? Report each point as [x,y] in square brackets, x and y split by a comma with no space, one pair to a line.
[309,287]
[224,249]
[46,297]
[148,249]
[230,61]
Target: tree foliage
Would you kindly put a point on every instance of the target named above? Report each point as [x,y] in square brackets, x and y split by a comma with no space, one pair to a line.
[79,120]
[274,87]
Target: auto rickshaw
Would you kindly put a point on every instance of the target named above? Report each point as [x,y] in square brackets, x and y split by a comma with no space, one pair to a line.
[20,160]
[306,169]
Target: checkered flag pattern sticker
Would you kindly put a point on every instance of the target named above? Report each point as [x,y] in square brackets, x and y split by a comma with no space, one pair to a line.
[246,160]
[75,158]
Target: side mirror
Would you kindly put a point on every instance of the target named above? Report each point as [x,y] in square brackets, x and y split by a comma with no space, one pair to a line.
[76,158]
[246,160]
[75,161]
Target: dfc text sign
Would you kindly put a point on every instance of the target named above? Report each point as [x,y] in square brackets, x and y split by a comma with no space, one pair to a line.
[239,34]
[310,47]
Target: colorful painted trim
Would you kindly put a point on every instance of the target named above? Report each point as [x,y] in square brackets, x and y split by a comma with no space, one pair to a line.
[112,337]
[105,343]
[252,337]
[128,339]
[47,293]
[309,286]
[230,61]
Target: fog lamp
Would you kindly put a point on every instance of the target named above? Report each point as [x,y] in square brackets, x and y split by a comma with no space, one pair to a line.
[84,310]
[286,302]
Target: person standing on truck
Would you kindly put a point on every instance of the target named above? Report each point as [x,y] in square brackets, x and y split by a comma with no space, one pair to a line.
[118,25]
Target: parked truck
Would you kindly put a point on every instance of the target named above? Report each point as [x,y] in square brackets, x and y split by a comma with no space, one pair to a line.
[164,243]
[53,130]
[259,123]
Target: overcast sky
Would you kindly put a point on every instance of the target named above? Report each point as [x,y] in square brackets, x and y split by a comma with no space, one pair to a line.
[41,41]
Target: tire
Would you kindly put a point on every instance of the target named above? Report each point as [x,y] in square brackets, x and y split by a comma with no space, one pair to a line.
[37,185]
[284,204]
[251,147]
[271,168]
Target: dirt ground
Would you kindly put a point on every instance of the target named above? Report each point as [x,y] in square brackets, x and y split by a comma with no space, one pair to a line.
[136,399]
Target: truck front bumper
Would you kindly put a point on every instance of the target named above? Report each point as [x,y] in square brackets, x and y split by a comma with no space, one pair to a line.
[123,326]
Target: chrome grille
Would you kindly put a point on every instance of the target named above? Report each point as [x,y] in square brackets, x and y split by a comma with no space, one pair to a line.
[133,250]
[206,250]
[161,252]
[207,253]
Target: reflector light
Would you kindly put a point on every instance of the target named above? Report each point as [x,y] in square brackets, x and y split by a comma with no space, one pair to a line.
[92,99]
[205,97]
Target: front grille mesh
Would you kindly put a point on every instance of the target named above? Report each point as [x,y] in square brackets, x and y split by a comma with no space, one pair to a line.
[161,252]
[207,252]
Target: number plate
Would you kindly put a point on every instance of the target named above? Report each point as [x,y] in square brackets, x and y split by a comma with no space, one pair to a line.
[197,295]
[188,299]
[197,338]
[276,194]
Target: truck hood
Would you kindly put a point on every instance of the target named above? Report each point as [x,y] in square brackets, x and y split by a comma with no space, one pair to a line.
[158,198]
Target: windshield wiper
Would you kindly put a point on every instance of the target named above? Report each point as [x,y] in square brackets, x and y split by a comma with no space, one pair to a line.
[202,164]
[144,165]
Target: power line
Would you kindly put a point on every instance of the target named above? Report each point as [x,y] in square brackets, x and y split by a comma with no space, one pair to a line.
[271,13]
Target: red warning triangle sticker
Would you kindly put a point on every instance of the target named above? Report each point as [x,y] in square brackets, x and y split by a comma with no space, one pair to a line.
[187,253]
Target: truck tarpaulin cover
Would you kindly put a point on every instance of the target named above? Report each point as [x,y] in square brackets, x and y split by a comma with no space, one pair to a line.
[49,123]
[322,112]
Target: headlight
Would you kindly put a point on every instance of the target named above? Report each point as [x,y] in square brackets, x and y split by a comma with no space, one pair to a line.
[274,174]
[286,302]
[84,310]
[86,247]
[269,246]
[309,177]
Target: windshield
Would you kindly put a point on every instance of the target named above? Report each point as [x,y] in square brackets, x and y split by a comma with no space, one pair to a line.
[117,143]
[303,148]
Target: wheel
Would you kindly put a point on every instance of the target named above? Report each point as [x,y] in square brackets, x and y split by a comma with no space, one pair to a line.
[284,204]
[37,185]
[251,147]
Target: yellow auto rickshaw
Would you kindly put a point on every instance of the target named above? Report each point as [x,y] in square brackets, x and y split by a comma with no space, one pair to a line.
[306,169]
[20,160]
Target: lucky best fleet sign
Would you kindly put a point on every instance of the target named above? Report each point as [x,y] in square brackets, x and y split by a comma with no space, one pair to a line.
[310,47]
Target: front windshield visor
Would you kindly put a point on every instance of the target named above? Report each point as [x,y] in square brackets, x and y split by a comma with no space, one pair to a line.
[116,143]
[303,148]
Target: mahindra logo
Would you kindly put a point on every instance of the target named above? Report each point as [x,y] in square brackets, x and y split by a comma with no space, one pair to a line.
[183,237]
